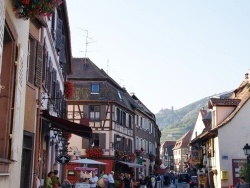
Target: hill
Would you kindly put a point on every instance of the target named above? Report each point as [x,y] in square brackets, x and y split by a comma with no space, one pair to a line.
[175,123]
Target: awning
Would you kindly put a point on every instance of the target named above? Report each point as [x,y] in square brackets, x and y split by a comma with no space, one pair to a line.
[132,165]
[68,126]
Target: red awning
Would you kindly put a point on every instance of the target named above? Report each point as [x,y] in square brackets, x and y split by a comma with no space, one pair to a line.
[68,126]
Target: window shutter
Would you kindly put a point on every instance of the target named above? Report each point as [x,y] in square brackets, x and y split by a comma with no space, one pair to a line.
[48,79]
[45,62]
[85,143]
[102,140]
[17,106]
[62,52]
[54,83]
[2,20]
[53,25]
[58,34]
[103,112]
[39,63]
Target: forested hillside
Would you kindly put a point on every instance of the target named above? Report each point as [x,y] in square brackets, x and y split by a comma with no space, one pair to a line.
[175,123]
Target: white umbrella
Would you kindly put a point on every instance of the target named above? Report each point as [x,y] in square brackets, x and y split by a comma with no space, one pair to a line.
[87,161]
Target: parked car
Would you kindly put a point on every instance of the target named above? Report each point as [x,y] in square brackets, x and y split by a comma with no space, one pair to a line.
[183,177]
[193,181]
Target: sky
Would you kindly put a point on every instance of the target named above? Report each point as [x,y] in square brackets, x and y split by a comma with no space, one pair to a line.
[170,53]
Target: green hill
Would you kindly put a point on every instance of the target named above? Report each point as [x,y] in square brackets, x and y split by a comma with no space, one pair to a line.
[175,123]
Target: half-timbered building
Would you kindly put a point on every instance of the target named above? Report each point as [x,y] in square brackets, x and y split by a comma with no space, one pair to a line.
[111,113]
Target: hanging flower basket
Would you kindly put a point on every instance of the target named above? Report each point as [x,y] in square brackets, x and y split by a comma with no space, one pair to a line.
[68,89]
[94,152]
[26,9]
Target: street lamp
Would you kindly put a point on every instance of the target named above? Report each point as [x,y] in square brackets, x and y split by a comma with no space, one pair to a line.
[246,150]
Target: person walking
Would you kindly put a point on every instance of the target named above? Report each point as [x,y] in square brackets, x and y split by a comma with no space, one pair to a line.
[153,179]
[111,181]
[143,181]
[55,179]
[93,180]
[121,180]
[127,181]
[242,183]
[49,181]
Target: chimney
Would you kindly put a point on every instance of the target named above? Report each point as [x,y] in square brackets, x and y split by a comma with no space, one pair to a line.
[246,76]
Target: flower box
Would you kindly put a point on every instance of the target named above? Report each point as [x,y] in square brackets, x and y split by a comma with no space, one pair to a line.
[94,152]
[26,9]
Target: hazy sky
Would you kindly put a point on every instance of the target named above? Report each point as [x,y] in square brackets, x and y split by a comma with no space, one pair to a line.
[168,52]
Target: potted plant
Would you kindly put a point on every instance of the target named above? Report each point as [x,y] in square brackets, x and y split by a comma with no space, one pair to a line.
[26,9]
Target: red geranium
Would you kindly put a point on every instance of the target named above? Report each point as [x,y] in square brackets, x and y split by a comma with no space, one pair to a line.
[68,89]
[31,9]
[94,152]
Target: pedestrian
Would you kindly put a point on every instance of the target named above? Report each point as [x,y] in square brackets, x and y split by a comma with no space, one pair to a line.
[121,178]
[127,181]
[242,183]
[143,181]
[93,180]
[153,179]
[55,179]
[111,181]
[49,181]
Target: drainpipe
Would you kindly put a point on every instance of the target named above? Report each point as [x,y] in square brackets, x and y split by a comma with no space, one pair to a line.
[37,141]
[37,131]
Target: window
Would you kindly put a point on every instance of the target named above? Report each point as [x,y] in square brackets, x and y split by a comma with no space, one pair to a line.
[118,115]
[94,112]
[123,118]
[130,121]
[95,88]
[35,61]
[119,94]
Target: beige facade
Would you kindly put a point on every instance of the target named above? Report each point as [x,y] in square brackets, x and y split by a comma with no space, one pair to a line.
[14,46]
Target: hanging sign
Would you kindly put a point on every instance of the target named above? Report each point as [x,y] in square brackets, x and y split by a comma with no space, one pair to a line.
[63,159]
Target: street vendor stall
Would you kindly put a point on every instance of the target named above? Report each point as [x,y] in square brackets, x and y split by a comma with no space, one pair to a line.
[82,176]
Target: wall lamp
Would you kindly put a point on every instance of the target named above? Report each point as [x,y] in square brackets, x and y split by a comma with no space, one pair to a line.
[246,150]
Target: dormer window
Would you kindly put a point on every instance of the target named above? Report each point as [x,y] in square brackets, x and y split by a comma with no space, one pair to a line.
[95,88]
[119,94]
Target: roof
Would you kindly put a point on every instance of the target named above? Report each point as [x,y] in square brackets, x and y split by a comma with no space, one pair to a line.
[168,143]
[242,94]
[222,102]
[238,99]
[142,107]
[183,141]
[85,72]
